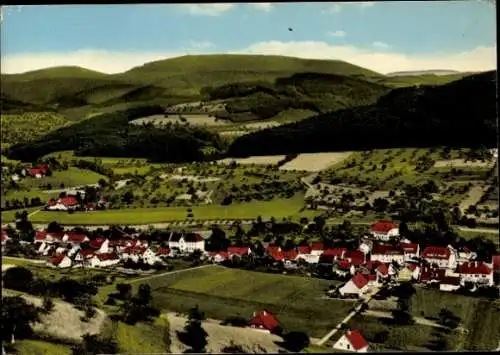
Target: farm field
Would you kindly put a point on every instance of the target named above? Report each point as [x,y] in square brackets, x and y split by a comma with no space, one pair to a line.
[461,163]
[315,161]
[222,293]
[480,316]
[258,160]
[250,210]
[71,177]
[196,120]
[142,338]
[40,347]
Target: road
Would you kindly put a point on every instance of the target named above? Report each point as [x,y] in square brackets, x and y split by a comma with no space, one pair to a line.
[331,333]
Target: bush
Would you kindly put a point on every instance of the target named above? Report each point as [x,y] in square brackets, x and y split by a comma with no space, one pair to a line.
[48,305]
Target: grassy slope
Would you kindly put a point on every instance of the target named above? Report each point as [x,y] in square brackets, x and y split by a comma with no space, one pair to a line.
[39,347]
[222,293]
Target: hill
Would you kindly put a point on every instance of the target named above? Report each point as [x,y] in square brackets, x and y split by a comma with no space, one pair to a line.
[55,72]
[423,72]
[461,113]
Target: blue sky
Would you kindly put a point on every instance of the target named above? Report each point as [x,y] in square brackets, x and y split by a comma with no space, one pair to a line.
[383,36]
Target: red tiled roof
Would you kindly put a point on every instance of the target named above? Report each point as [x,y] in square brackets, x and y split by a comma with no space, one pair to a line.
[76,237]
[318,246]
[135,250]
[496,262]
[163,251]
[356,339]
[193,238]
[118,242]
[344,264]
[409,247]
[429,274]
[87,252]
[474,268]
[359,280]
[69,201]
[335,252]
[451,280]
[386,249]
[96,243]
[265,319]
[436,253]
[356,257]
[51,202]
[107,256]
[290,254]
[383,269]
[272,248]
[371,265]
[383,226]
[277,255]
[304,249]
[238,250]
[411,267]
[56,259]
[36,171]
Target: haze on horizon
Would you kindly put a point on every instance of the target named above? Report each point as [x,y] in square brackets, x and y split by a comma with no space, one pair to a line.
[382,36]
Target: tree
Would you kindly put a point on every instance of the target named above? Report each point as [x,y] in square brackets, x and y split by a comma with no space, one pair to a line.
[448,319]
[194,335]
[295,341]
[18,278]
[17,317]
[93,344]
[48,305]
[54,227]
[124,291]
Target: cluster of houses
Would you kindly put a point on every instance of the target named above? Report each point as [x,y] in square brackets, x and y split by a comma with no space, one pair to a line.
[37,171]
[70,202]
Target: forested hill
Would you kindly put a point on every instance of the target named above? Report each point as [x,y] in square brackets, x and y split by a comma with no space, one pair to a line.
[110,135]
[461,113]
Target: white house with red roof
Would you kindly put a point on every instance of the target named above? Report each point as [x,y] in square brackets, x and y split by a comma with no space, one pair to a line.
[449,283]
[65,203]
[358,285]
[240,251]
[386,253]
[264,321]
[5,237]
[100,245]
[61,261]
[410,250]
[317,248]
[37,171]
[443,257]
[309,258]
[218,256]
[384,230]
[476,272]
[186,242]
[352,340]
[104,260]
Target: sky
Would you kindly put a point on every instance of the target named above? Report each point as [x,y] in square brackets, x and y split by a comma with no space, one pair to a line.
[381,36]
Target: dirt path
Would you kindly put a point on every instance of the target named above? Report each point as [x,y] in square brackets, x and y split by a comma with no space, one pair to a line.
[220,336]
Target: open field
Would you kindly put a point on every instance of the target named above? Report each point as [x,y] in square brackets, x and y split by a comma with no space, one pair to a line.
[250,210]
[260,160]
[143,338]
[315,161]
[71,177]
[222,293]
[40,347]
[195,120]
[480,316]
[461,163]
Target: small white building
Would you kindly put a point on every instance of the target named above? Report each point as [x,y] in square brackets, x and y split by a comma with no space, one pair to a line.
[358,285]
[387,254]
[353,341]
[186,243]
[384,230]
[450,284]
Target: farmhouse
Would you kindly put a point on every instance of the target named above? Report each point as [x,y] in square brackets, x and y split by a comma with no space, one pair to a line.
[186,243]
[352,340]
[100,245]
[386,253]
[61,261]
[476,272]
[384,230]
[238,251]
[38,171]
[264,321]
[440,256]
[67,203]
[358,285]
[105,259]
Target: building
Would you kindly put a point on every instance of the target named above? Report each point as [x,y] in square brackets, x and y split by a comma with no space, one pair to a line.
[317,248]
[186,243]
[61,261]
[450,283]
[358,285]
[106,259]
[218,256]
[264,321]
[38,171]
[67,203]
[5,237]
[443,257]
[352,340]
[476,272]
[386,253]
[384,230]
[410,250]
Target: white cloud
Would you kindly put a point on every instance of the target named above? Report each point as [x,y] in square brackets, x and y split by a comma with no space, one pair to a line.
[263,6]
[338,7]
[337,33]
[201,44]
[382,61]
[206,9]
[380,45]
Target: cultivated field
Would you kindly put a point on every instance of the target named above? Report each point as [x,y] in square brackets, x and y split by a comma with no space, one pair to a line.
[222,293]
[258,160]
[461,163]
[315,161]
[195,120]
[40,347]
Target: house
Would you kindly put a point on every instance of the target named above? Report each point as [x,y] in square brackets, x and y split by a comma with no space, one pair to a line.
[107,259]
[308,258]
[317,248]
[218,256]
[343,268]
[264,321]
[239,251]
[100,245]
[443,257]
[382,271]
[186,243]
[163,252]
[75,238]
[465,255]
[5,237]
[355,257]
[303,249]
[384,230]
[66,203]
[476,272]
[61,261]
[408,272]
[358,285]
[337,253]
[386,253]
[410,250]
[432,274]
[38,171]
[352,340]
[84,256]
[272,249]
[450,283]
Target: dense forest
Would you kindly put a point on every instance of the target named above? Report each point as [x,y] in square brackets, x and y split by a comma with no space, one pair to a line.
[111,135]
[461,113]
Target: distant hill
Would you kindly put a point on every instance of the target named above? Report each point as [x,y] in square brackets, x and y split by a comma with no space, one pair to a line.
[423,72]
[461,113]
[183,79]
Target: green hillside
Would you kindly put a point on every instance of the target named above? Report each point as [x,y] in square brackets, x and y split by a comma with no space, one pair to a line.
[56,72]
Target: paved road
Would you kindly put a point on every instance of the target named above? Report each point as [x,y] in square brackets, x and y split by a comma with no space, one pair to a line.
[331,333]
